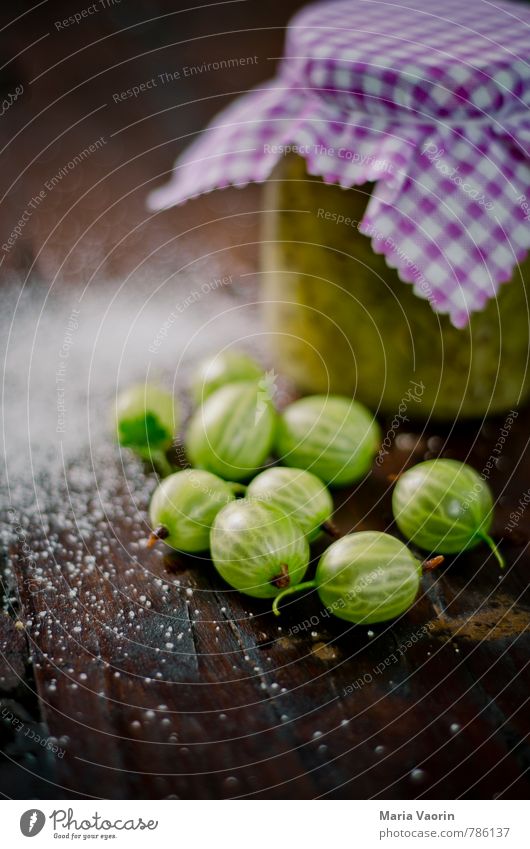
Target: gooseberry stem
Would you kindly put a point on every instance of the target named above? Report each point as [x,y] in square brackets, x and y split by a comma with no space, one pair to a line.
[306,585]
[160,533]
[283,579]
[331,529]
[433,563]
[161,463]
[488,540]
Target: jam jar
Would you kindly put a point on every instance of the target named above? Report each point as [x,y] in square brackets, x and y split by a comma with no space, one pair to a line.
[344,322]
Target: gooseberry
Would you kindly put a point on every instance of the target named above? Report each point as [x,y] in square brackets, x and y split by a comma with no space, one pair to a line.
[225,367]
[364,577]
[297,493]
[146,420]
[444,505]
[184,506]
[232,433]
[332,436]
[257,549]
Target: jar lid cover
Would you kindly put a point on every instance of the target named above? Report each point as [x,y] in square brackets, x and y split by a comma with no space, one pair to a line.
[428,101]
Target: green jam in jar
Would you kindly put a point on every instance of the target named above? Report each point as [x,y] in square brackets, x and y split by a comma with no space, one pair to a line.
[344,322]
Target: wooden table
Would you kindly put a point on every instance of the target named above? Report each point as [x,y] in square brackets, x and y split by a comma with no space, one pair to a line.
[149,677]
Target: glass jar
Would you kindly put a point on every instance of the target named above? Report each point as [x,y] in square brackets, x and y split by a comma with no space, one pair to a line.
[344,322]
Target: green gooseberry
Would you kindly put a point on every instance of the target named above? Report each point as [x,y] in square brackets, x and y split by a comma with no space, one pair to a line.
[232,433]
[184,506]
[330,435]
[224,367]
[445,506]
[257,549]
[365,577]
[297,493]
[147,418]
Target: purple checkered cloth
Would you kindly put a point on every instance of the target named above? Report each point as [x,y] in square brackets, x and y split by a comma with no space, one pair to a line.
[430,101]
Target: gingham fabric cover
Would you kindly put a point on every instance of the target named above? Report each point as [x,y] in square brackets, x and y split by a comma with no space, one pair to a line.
[430,101]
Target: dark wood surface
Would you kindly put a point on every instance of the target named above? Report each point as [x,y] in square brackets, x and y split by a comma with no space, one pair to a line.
[434,705]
